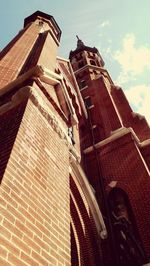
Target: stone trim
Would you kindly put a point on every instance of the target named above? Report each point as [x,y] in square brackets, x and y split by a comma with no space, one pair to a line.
[88,66]
[114,136]
[77,91]
[47,76]
[31,93]
[74,153]
[142,159]
[144,143]
[78,172]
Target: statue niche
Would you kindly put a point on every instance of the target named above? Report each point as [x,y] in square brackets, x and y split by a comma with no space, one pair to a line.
[128,245]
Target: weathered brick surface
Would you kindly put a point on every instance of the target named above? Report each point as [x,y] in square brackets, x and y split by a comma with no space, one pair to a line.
[9,124]
[35,227]
[12,62]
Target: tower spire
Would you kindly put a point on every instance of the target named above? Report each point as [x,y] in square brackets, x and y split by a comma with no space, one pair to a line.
[79,42]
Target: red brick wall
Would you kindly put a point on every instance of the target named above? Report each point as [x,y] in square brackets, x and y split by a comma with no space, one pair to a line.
[145,151]
[103,113]
[12,62]
[27,49]
[49,53]
[35,211]
[9,124]
[106,108]
[122,161]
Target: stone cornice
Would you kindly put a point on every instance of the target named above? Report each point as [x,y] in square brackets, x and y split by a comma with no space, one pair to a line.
[31,93]
[89,66]
[46,76]
[145,143]
[119,133]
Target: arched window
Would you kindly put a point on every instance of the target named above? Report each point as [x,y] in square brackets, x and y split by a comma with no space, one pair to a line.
[92,62]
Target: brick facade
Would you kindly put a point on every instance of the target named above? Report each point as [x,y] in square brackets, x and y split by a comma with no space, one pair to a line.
[115,143]
[70,146]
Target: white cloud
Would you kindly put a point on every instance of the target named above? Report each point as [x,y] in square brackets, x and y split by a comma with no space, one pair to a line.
[139,96]
[133,60]
[107,51]
[105,23]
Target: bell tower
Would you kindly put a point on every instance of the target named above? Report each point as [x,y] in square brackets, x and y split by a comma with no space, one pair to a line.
[95,87]
[114,143]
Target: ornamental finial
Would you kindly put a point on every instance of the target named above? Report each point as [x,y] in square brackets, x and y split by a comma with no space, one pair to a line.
[79,42]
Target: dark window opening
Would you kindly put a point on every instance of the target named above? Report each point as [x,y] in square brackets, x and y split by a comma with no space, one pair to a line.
[82,84]
[91,55]
[88,102]
[129,248]
[92,62]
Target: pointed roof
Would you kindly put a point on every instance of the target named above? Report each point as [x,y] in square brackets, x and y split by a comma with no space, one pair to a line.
[79,42]
[82,47]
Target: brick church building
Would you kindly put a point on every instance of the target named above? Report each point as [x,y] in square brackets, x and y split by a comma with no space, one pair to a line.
[74,157]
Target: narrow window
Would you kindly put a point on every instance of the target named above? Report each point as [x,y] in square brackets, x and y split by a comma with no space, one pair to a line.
[92,62]
[82,84]
[88,102]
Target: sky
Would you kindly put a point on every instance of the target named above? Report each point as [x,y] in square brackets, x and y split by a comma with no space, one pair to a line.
[118,28]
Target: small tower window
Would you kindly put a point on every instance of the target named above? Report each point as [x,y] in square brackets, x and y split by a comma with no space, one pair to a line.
[88,102]
[92,62]
[82,84]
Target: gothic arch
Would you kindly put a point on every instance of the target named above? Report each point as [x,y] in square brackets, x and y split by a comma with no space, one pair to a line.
[85,231]
[75,248]
[84,248]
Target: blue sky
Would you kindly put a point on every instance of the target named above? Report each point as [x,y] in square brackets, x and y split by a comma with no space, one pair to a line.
[118,28]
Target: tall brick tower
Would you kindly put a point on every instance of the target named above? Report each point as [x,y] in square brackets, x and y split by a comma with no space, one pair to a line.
[115,144]
[49,214]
